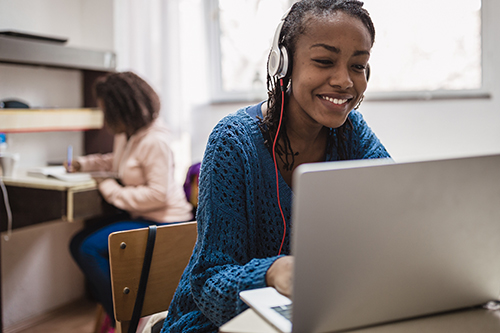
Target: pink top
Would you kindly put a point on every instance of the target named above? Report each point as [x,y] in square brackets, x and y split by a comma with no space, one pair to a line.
[145,167]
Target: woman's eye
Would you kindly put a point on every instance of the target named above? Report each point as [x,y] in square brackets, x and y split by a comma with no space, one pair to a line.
[359,67]
[323,62]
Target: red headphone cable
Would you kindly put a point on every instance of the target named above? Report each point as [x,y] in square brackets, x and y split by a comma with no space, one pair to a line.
[276,165]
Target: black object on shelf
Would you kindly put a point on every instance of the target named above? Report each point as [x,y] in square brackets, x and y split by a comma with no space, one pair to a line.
[29,51]
[13,104]
[41,38]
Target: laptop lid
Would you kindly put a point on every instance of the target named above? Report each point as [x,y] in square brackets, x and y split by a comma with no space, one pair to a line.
[376,241]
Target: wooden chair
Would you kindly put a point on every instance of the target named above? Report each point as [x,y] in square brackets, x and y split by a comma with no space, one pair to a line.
[173,247]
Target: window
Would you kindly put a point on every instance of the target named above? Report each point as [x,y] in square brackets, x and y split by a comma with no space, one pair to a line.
[242,36]
[426,45]
[420,46]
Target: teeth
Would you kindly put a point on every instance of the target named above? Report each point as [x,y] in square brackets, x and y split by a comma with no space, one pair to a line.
[334,100]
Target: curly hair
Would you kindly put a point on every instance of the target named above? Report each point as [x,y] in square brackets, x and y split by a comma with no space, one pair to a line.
[128,100]
[294,26]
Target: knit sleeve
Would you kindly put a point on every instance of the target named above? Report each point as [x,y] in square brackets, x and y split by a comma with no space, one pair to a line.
[225,264]
[366,145]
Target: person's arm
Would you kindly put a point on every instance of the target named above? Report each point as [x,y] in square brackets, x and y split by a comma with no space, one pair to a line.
[156,160]
[365,143]
[101,162]
[93,162]
[224,263]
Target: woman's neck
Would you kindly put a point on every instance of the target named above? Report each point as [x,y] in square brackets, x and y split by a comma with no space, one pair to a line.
[307,139]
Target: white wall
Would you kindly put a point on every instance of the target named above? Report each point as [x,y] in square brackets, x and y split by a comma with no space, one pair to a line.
[38,273]
[436,129]
[86,23]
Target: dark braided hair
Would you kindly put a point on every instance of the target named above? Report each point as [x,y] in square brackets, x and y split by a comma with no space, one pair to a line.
[128,100]
[294,26]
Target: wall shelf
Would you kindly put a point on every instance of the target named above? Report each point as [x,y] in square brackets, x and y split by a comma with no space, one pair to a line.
[45,120]
[92,63]
[32,52]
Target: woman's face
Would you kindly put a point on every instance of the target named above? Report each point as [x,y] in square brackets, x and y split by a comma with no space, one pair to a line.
[329,65]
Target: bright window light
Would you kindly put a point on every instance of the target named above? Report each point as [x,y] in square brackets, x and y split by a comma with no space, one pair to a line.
[423,45]
[426,45]
[246,32]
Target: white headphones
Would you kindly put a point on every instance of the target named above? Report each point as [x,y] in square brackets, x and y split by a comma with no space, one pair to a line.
[278,59]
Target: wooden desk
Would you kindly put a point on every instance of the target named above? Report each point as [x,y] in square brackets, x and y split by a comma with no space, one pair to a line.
[467,321]
[36,200]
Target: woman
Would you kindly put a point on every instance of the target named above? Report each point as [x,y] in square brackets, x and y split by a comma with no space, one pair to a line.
[143,164]
[308,117]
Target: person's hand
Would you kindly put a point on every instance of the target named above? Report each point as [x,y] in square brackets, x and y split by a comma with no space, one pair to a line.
[280,275]
[74,167]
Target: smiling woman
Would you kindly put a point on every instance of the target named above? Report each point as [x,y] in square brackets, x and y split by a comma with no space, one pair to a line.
[317,74]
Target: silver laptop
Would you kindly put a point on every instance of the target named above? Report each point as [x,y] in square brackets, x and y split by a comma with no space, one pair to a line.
[376,241]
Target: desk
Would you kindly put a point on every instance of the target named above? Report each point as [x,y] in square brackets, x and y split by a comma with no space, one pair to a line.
[37,200]
[467,321]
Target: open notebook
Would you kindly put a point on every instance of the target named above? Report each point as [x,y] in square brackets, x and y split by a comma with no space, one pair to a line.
[59,172]
[376,241]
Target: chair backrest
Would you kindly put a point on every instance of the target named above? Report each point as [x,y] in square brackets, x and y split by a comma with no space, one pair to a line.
[173,247]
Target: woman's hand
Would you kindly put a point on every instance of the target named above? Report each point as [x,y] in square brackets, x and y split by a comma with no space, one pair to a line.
[280,275]
[74,167]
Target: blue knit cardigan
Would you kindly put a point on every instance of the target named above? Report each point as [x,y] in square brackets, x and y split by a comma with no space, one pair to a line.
[239,224]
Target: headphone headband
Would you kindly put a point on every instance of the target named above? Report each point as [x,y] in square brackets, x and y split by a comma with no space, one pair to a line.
[278,58]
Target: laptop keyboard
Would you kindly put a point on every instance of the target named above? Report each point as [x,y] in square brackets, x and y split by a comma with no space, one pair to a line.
[284,310]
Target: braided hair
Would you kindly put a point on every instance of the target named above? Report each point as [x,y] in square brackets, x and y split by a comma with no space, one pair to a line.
[128,100]
[294,26]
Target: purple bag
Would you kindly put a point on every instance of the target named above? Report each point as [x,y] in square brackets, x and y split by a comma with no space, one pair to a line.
[191,184]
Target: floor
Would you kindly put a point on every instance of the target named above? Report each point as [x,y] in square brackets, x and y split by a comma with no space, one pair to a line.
[78,318]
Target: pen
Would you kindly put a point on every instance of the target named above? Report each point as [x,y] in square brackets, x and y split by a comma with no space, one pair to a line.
[70,156]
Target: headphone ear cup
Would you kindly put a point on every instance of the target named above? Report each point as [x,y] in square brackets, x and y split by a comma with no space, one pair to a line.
[278,63]
[284,63]
[273,64]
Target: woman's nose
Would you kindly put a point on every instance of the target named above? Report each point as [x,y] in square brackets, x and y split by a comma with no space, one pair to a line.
[341,78]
